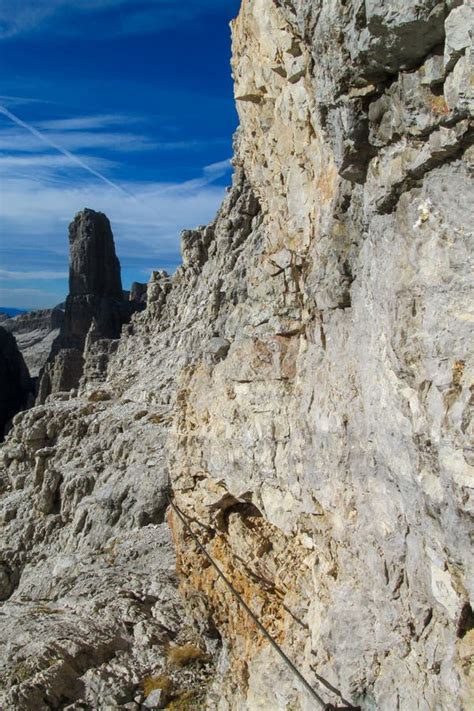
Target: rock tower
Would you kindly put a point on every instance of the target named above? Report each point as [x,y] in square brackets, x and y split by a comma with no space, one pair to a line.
[95,306]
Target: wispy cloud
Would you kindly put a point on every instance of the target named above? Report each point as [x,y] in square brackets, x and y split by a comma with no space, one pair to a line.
[28,276]
[20,100]
[215,170]
[75,140]
[11,139]
[81,123]
[134,17]
[7,162]
[152,215]
[66,153]
[153,220]
[147,230]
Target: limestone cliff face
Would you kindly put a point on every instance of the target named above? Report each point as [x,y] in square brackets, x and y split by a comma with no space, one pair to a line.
[341,409]
[302,383]
[35,333]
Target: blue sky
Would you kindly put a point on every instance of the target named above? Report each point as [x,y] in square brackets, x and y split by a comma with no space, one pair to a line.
[123,106]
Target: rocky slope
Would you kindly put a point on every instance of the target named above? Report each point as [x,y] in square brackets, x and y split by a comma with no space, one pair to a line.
[35,333]
[302,383]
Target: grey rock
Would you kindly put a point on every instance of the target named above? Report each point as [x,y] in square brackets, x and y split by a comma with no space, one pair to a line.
[7,584]
[325,461]
[194,246]
[157,699]
[433,70]
[16,387]
[459,29]
[93,265]
[138,292]
[48,497]
[458,89]
[407,108]
[35,333]
[218,348]
[397,167]
[95,309]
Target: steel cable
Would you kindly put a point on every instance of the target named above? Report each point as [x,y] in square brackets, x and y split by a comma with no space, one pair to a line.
[263,630]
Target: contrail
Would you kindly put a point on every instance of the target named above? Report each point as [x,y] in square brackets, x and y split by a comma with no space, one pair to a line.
[64,151]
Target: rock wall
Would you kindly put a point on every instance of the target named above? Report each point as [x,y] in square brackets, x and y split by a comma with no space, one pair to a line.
[35,333]
[16,387]
[341,409]
[302,383]
[138,292]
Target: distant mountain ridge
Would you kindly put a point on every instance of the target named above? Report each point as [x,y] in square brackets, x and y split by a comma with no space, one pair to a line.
[35,332]
[13,312]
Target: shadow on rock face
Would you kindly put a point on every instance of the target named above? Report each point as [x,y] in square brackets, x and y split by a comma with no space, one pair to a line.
[16,386]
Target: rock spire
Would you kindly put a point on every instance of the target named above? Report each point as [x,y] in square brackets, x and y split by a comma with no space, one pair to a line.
[94,268]
[95,306]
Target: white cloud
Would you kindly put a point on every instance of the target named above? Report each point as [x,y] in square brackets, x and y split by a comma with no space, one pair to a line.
[146,229]
[47,160]
[148,225]
[42,190]
[73,141]
[40,275]
[215,170]
[20,16]
[80,123]
[12,139]
[47,140]
[149,214]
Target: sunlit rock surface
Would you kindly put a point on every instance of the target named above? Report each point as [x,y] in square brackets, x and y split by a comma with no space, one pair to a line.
[302,383]
[35,333]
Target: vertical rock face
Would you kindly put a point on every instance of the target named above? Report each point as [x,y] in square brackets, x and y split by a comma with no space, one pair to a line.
[303,382]
[341,409]
[95,307]
[35,333]
[94,268]
[138,292]
[15,382]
